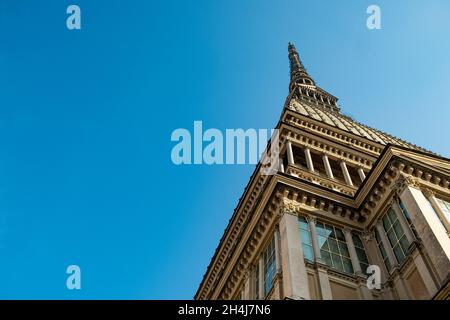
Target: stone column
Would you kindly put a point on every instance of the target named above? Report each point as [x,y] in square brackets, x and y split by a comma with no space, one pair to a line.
[352,251]
[425,274]
[401,289]
[295,277]
[326,163]
[427,224]
[386,244]
[309,161]
[315,243]
[324,283]
[260,288]
[347,177]
[290,153]
[361,174]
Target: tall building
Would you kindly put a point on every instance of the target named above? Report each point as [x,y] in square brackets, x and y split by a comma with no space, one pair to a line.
[348,204]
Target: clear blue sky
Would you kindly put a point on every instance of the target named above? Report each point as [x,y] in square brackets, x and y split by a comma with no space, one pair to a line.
[86,117]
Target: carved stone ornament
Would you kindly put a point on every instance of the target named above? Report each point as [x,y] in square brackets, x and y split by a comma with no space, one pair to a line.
[368,236]
[288,206]
[404,181]
[428,193]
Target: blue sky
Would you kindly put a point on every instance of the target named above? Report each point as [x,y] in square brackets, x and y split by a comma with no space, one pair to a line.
[86,116]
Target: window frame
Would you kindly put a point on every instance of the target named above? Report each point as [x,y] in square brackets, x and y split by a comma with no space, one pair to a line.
[306,232]
[390,227]
[360,249]
[334,256]
[269,266]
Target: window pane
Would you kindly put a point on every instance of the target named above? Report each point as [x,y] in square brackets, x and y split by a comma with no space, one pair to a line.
[340,235]
[337,263]
[362,257]
[386,223]
[405,212]
[269,266]
[308,252]
[357,241]
[388,264]
[333,246]
[303,224]
[326,258]
[323,243]
[305,237]
[404,243]
[398,229]
[364,267]
[329,231]
[399,254]
[392,237]
[347,265]
[320,229]
[392,215]
[343,249]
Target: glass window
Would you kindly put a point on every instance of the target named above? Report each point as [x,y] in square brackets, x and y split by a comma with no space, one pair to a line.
[405,212]
[383,251]
[333,248]
[360,252]
[445,207]
[305,236]
[396,235]
[269,266]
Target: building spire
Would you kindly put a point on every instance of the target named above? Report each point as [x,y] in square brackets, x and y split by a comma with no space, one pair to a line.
[303,87]
[299,75]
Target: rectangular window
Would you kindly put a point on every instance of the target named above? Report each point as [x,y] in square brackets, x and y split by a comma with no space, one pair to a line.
[445,207]
[305,236]
[360,252]
[299,157]
[317,160]
[333,248]
[396,235]
[404,211]
[353,172]
[383,251]
[337,170]
[269,266]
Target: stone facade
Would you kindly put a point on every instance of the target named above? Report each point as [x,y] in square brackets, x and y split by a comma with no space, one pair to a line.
[346,197]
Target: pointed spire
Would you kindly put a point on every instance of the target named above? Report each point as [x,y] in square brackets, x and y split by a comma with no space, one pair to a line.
[303,87]
[299,75]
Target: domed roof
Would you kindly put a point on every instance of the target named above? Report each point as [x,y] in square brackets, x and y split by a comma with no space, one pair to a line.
[343,122]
